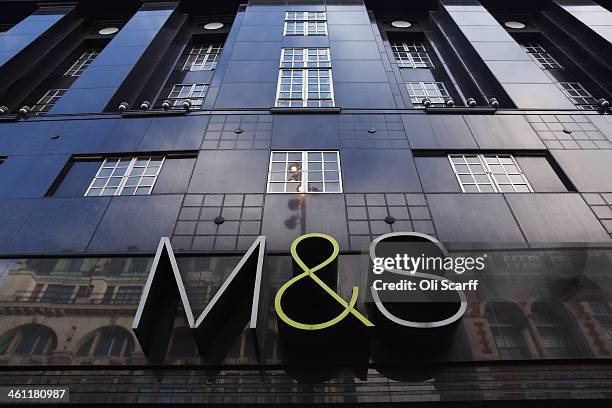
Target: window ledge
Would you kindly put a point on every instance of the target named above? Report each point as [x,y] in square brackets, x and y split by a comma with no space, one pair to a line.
[306,110]
[9,118]
[478,110]
[141,113]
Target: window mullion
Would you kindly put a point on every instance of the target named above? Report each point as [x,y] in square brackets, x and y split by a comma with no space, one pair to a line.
[128,171]
[489,173]
[304,172]
[305,85]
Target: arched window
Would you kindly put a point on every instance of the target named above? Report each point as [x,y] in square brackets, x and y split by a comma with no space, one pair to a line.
[109,341]
[558,332]
[29,339]
[507,323]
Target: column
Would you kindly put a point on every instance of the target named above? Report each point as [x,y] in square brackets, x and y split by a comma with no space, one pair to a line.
[98,84]
[524,82]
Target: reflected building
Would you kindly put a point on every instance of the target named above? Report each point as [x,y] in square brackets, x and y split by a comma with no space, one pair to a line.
[482,123]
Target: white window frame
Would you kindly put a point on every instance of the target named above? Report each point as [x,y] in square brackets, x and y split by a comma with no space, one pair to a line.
[305,80]
[41,108]
[82,63]
[190,96]
[577,86]
[434,98]
[206,53]
[304,173]
[492,181]
[305,22]
[125,176]
[410,61]
[536,50]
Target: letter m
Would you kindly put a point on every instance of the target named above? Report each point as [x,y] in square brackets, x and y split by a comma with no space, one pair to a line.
[164,290]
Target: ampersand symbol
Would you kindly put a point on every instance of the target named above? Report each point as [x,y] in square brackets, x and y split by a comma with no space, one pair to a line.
[349,307]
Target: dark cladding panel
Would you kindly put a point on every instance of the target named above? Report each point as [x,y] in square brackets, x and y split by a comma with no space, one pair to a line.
[591,14]
[503,132]
[379,171]
[135,223]
[256,51]
[29,30]
[437,175]
[359,71]
[477,218]
[438,132]
[589,170]
[182,133]
[29,176]
[60,225]
[287,216]
[550,219]
[251,95]
[541,176]
[230,171]
[363,95]
[174,176]
[77,179]
[305,132]
[283,220]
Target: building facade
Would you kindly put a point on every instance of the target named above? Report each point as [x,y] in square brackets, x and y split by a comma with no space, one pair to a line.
[482,123]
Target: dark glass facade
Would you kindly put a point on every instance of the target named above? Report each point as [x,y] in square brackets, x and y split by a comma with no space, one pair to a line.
[482,123]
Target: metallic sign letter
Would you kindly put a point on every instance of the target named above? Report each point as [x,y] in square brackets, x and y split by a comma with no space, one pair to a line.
[164,289]
[310,272]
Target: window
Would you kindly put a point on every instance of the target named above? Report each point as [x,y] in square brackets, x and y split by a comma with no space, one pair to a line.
[599,307]
[578,95]
[411,54]
[59,294]
[195,93]
[305,58]
[541,56]
[509,340]
[489,173]
[128,295]
[308,171]
[35,339]
[435,91]
[49,99]
[108,295]
[305,78]
[109,341]
[203,57]
[126,176]
[81,63]
[305,23]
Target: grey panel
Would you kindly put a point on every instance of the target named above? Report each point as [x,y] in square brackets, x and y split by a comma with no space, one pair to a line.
[437,175]
[556,218]
[589,170]
[364,95]
[136,223]
[283,221]
[478,218]
[378,171]
[60,225]
[174,176]
[359,71]
[230,171]
[438,132]
[305,132]
[503,132]
[540,174]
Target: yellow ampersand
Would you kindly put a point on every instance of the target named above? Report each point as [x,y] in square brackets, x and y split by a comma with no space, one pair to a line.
[310,272]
